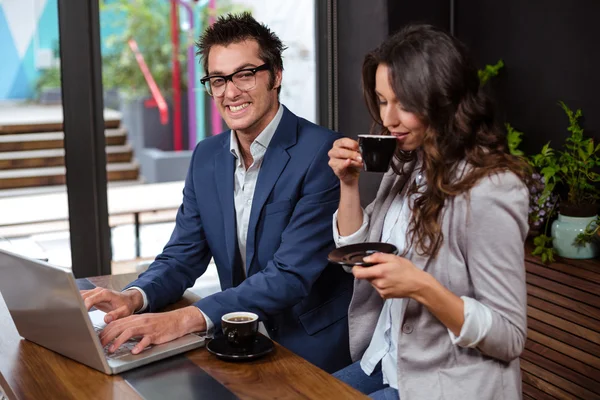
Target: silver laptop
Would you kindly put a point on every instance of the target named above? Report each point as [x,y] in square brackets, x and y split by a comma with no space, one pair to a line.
[47,309]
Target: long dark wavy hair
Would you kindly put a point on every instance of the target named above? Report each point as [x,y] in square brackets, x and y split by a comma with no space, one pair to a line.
[433,77]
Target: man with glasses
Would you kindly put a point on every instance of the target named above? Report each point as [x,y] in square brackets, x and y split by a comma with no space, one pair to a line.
[257,199]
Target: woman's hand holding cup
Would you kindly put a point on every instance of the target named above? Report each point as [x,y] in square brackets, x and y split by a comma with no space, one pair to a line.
[345,160]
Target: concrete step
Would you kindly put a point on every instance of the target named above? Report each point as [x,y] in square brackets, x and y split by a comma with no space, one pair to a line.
[31,177]
[56,157]
[52,140]
[27,118]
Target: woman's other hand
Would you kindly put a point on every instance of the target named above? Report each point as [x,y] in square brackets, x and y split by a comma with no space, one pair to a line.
[392,276]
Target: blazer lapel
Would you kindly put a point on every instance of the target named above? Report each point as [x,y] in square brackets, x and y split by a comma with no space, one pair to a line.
[380,212]
[224,175]
[273,164]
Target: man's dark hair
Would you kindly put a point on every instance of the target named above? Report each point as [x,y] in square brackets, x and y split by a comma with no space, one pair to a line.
[235,28]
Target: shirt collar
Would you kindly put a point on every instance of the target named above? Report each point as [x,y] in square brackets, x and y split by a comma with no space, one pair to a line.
[263,139]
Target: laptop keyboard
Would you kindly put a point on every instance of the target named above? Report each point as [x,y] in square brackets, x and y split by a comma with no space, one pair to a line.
[123,350]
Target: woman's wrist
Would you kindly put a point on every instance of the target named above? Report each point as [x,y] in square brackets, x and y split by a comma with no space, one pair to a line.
[441,302]
[349,186]
[424,288]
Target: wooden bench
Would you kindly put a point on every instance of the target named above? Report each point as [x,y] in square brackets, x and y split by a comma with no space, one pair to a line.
[122,200]
[561,359]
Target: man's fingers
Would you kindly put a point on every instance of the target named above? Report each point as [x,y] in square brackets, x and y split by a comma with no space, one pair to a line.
[100,296]
[108,334]
[145,342]
[87,293]
[122,338]
[120,312]
[111,331]
[108,297]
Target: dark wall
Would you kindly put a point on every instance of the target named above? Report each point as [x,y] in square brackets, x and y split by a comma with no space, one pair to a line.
[400,13]
[551,49]
[362,26]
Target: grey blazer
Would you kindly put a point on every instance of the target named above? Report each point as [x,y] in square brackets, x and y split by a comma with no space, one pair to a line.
[482,256]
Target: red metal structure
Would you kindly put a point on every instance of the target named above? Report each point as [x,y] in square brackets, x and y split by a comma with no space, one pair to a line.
[177,131]
[156,95]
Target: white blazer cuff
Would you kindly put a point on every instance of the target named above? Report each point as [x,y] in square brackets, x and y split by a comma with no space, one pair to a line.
[359,236]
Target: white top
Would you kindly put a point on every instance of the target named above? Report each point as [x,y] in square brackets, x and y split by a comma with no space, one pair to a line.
[243,194]
[384,344]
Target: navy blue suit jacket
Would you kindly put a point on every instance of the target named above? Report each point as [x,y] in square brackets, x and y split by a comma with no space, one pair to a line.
[302,299]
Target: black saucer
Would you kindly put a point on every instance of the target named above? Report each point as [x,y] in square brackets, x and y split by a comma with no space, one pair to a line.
[222,349]
[353,254]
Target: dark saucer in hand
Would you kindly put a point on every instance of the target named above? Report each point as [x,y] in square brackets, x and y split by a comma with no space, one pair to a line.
[222,349]
[354,254]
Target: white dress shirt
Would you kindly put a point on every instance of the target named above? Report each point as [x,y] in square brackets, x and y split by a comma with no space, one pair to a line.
[384,344]
[245,183]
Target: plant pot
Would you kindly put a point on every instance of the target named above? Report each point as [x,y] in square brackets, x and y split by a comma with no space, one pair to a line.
[50,96]
[564,231]
[144,129]
[578,210]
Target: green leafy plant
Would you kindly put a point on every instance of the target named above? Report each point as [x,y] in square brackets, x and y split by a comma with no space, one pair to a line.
[148,23]
[543,202]
[590,233]
[543,248]
[574,166]
[48,78]
[489,72]
[513,137]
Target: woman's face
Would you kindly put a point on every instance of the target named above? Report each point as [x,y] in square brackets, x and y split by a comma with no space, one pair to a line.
[405,126]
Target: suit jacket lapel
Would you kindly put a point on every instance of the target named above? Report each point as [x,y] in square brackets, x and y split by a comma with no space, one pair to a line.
[273,164]
[224,175]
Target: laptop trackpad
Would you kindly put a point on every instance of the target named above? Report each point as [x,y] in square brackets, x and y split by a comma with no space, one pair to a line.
[175,378]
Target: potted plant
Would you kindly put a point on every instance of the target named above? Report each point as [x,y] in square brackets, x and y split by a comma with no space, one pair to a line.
[572,171]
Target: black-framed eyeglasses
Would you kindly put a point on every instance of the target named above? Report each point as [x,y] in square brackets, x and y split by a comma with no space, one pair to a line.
[244,79]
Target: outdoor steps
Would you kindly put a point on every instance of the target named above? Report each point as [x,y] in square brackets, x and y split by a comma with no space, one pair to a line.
[52,140]
[32,147]
[32,177]
[56,157]
[45,126]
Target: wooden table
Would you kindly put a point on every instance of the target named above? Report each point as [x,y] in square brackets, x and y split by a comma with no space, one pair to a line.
[32,372]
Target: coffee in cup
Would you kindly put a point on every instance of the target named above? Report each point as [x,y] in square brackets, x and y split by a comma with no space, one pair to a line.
[377,151]
[240,329]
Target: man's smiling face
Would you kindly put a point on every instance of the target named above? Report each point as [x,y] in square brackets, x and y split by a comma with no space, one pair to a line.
[246,112]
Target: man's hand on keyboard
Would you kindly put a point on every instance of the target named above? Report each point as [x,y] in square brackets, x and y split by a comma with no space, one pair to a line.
[115,304]
[153,328]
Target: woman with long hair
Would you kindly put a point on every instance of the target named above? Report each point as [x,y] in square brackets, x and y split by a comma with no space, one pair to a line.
[446,318]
